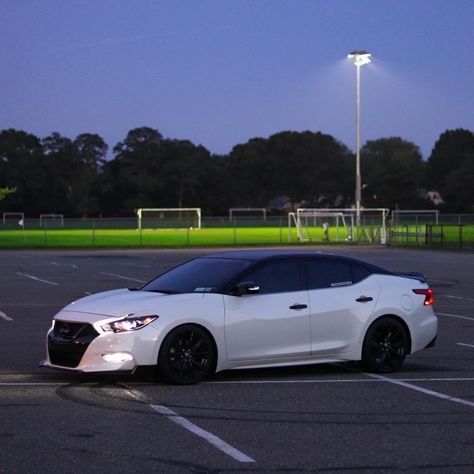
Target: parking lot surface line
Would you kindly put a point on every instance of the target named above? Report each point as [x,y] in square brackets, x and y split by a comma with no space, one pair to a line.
[37,279]
[443,396]
[122,277]
[328,381]
[32,384]
[56,264]
[449,315]
[464,344]
[457,297]
[5,317]
[209,437]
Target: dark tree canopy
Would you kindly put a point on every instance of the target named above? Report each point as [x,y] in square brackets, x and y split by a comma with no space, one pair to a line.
[451,167]
[73,177]
[307,167]
[393,174]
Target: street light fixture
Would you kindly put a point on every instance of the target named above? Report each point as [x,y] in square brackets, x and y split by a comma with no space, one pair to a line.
[360,58]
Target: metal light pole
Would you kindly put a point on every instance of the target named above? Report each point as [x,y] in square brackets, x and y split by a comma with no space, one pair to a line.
[360,58]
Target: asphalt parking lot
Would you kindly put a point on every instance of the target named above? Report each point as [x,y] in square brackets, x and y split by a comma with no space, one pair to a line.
[321,418]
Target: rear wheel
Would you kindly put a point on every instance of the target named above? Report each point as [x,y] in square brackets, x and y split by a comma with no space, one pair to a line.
[187,355]
[385,346]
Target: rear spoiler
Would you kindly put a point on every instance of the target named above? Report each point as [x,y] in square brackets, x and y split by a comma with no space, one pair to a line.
[414,275]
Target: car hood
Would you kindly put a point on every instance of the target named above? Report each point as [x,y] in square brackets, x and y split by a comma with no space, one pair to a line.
[118,303]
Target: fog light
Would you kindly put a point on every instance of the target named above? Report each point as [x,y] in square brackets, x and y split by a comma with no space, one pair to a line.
[117,357]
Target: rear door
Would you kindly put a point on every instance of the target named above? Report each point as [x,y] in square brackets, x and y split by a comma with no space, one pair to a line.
[273,323]
[342,297]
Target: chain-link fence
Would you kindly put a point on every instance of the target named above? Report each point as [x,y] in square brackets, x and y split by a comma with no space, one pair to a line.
[215,231]
[459,236]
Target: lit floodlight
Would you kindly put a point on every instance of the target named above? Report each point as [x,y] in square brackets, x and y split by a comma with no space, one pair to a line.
[360,57]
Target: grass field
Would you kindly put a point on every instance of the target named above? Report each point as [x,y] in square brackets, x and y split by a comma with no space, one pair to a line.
[444,236]
[77,238]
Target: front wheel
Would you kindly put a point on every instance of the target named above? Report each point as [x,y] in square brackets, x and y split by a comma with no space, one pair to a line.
[385,346]
[187,355]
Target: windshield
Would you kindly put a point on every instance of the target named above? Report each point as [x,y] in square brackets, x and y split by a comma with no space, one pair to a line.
[202,275]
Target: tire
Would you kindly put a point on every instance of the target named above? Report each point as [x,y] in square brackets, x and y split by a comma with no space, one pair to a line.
[386,345]
[187,355]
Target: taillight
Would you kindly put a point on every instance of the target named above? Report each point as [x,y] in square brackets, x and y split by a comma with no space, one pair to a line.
[429,296]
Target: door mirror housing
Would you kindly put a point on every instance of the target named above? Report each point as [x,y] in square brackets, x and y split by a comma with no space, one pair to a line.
[245,288]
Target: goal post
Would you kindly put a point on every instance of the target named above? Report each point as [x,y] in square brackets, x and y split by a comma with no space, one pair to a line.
[338,224]
[169,218]
[319,224]
[55,219]
[18,217]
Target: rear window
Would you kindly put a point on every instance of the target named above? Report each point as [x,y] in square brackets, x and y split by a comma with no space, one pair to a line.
[327,274]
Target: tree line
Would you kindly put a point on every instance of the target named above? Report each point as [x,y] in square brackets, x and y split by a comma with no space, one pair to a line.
[73,177]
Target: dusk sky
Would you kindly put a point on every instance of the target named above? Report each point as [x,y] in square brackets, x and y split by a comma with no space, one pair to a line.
[221,72]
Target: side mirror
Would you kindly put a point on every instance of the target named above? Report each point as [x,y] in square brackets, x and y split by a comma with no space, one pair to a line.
[245,288]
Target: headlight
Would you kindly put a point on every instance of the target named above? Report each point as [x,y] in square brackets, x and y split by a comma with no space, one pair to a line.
[129,324]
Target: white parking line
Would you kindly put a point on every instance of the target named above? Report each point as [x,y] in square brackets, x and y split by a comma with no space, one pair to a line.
[209,437]
[458,316]
[464,344]
[316,381]
[457,297]
[32,384]
[37,279]
[401,383]
[142,398]
[64,265]
[122,277]
[5,317]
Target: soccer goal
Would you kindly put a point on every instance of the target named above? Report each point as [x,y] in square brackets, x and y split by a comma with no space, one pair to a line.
[338,225]
[415,217]
[247,212]
[17,217]
[47,221]
[169,218]
[319,225]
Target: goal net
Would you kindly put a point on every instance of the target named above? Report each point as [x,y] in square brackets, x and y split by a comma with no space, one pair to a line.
[319,225]
[14,218]
[169,218]
[48,221]
[338,225]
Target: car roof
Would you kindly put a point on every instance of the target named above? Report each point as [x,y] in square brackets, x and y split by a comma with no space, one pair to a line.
[270,254]
[260,254]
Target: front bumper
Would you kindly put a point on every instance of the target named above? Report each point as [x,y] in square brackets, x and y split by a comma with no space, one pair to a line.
[83,349]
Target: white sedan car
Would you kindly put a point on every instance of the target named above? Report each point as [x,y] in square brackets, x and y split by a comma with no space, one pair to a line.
[247,309]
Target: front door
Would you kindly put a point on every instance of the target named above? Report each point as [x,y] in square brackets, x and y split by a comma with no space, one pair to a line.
[273,323]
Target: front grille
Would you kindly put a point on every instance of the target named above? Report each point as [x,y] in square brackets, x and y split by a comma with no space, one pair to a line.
[68,342]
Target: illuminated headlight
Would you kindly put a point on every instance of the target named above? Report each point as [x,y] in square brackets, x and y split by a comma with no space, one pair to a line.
[117,357]
[129,324]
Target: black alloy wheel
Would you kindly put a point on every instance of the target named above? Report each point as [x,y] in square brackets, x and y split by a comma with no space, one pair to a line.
[187,355]
[385,346]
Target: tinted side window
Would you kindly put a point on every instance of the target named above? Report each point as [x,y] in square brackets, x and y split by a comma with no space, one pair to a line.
[277,277]
[325,274]
[359,273]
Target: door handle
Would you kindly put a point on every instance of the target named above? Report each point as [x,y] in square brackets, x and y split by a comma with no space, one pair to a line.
[298,306]
[364,299]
